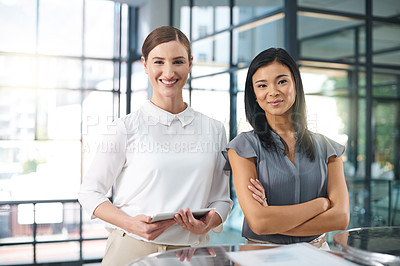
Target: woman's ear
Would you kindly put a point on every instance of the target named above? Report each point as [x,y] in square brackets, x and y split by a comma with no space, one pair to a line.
[145,65]
[190,61]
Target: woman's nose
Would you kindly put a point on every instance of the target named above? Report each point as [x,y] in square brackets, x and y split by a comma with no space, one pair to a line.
[169,71]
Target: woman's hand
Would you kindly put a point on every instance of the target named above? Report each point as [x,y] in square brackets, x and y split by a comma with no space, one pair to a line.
[197,226]
[258,192]
[140,225]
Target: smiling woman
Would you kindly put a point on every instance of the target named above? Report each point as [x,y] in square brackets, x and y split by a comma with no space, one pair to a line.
[289,181]
[155,152]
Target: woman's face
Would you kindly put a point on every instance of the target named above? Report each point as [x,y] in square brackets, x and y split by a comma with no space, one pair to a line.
[275,89]
[168,67]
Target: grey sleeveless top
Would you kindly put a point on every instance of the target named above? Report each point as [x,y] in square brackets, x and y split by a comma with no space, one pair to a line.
[285,183]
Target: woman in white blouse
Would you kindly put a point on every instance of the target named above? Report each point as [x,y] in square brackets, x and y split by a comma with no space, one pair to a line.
[163,157]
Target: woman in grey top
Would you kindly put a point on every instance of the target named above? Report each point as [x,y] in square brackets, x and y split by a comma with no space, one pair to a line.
[289,181]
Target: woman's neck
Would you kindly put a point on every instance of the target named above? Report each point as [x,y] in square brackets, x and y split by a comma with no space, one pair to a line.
[281,124]
[172,105]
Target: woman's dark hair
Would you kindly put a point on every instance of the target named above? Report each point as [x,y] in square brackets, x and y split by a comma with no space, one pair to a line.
[164,34]
[256,115]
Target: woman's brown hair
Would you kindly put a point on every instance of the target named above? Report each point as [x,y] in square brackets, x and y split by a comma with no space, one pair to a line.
[162,35]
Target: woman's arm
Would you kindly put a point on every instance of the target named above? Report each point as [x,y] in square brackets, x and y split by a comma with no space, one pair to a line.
[338,215]
[138,225]
[268,219]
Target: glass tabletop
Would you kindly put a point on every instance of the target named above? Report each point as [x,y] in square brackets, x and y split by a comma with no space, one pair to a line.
[211,255]
[370,246]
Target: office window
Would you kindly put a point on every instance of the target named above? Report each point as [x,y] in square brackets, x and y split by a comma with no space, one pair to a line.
[20,18]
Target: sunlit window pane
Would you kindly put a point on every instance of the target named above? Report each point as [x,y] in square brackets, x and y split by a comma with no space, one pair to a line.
[250,40]
[384,8]
[182,17]
[124,30]
[37,170]
[352,6]
[215,104]
[97,113]
[99,75]
[245,10]
[206,17]
[99,28]
[211,55]
[60,73]
[217,82]
[18,23]
[329,82]
[93,249]
[60,27]
[67,251]
[17,71]
[386,43]
[21,254]
[339,44]
[59,114]
[17,116]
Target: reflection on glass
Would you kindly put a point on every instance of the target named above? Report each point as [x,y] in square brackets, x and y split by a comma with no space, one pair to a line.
[386,43]
[60,73]
[249,40]
[99,29]
[17,71]
[338,45]
[214,104]
[210,55]
[60,27]
[58,115]
[18,26]
[217,82]
[352,6]
[99,74]
[245,10]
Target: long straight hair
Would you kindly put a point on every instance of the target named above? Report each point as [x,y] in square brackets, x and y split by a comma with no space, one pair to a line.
[256,115]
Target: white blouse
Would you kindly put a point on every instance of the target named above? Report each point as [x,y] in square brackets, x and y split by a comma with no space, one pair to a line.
[157,161]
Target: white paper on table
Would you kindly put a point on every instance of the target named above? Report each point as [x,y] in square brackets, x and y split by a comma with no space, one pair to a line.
[294,254]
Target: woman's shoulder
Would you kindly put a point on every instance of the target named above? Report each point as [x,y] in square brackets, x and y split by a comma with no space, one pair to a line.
[327,145]
[248,136]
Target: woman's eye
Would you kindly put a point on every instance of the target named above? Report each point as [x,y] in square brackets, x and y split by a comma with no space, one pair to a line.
[282,81]
[179,62]
[261,86]
[158,62]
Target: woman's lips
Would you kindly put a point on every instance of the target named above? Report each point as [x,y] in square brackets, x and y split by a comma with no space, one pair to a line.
[168,82]
[275,103]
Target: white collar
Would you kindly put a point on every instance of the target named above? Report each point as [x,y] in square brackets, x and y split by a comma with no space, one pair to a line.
[165,117]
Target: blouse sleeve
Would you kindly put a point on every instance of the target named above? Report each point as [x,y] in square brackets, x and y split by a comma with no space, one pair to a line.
[105,168]
[333,148]
[244,145]
[219,195]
